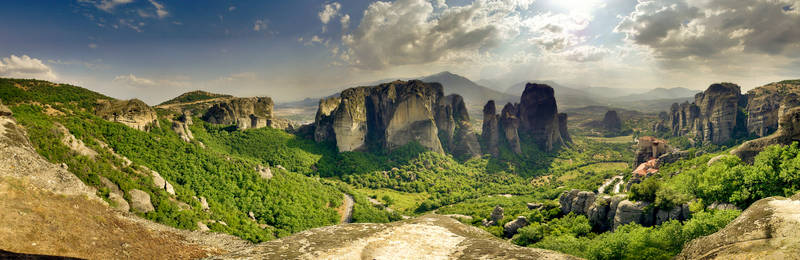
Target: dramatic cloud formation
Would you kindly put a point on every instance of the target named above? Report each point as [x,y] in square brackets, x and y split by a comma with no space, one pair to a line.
[677,29]
[410,32]
[25,67]
[329,11]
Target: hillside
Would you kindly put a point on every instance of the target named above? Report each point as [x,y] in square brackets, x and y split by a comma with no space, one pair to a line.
[567,97]
[660,94]
[193,96]
[474,94]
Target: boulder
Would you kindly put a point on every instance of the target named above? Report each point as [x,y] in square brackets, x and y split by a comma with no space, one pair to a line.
[4,111]
[628,212]
[765,230]
[264,172]
[140,200]
[161,183]
[612,122]
[204,203]
[510,229]
[533,206]
[133,113]
[245,113]
[181,127]
[497,215]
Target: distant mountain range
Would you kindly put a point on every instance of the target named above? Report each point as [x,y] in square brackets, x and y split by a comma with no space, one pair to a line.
[476,95]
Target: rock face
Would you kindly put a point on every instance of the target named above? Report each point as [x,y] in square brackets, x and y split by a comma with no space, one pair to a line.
[133,113]
[609,212]
[140,200]
[425,237]
[490,136]
[612,122]
[536,117]
[392,115]
[714,117]
[245,113]
[510,229]
[181,127]
[788,130]
[765,230]
[161,183]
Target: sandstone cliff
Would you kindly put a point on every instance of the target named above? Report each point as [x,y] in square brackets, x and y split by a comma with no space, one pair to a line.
[133,113]
[788,130]
[425,237]
[535,118]
[245,113]
[721,113]
[765,230]
[393,114]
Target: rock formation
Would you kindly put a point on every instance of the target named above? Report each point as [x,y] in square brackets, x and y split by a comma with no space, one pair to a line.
[245,113]
[649,148]
[609,212]
[612,122]
[181,127]
[714,117]
[788,130]
[133,113]
[425,237]
[393,114]
[140,200]
[721,113]
[536,118]
[765,230]
[510,229]
[490,136]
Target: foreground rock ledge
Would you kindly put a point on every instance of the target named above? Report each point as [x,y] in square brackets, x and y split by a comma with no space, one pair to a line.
[427,237]
[768,229]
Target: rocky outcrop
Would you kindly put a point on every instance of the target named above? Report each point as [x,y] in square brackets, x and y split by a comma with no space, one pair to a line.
[612,122]
[425,237]
[161,183]
[765,230]
[264,172]
[245,113]
[609,212]
[536,118]
[763,105]
[133,113]
[394,114]
[140,201]
[181,127]
[490,136]
[714,117]
[788,130]
[510,229]
[495,217]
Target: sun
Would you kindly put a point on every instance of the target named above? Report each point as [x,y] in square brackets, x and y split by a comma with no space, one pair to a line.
[577,6]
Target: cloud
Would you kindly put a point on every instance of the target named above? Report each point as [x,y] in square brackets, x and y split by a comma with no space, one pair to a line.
[345,21]
[557,32]
[410,32]
[586,53]
[25,67]
[106,5]
[260,25]
[231,8]
[329,11]
[140,82]
[710,29]
[160,10]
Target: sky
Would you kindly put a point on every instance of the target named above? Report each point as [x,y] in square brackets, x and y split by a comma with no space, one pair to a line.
[291,49]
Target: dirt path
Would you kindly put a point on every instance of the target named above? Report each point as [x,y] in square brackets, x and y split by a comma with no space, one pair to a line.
[608,182]
[347,209]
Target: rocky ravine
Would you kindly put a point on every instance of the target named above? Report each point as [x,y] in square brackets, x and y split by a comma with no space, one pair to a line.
[426,237]
[766,230]
[393,114]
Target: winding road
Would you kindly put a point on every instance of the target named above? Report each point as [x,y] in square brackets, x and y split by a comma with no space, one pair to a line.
[347,211]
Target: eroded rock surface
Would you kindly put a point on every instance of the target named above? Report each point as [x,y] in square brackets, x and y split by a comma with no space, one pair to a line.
[133,113]
[612,122]
[245,113]
[609,212]
[426,237]
[765,230]
[788,131]
[394,114]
